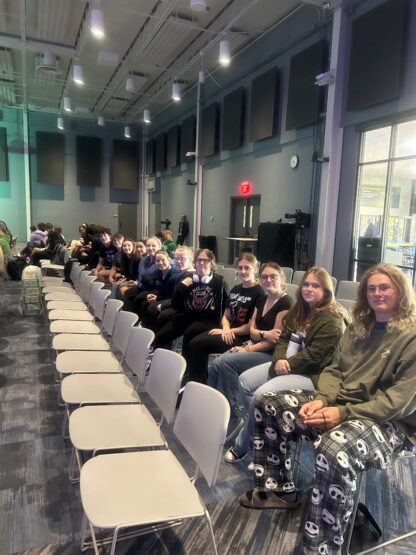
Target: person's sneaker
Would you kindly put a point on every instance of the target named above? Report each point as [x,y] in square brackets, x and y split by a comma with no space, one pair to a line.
[234,426]
[233,455]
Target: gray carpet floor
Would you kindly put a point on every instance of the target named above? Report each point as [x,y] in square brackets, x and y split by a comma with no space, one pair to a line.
[41,511]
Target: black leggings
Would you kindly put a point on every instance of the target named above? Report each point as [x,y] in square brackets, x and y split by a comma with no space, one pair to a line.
[182,324]
[198,350]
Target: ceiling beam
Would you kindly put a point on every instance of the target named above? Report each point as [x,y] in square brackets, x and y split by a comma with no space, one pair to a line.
[17,43]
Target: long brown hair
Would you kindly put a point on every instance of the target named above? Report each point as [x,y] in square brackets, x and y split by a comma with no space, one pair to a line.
[363,317]
[301,315]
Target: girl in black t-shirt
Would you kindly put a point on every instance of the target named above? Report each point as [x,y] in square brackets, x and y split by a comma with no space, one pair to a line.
[235,323]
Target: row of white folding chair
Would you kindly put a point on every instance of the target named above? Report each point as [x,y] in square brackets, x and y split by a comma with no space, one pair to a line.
[97,377]
[71,301]
[123,490]
[97,304]
[82,360]
[113,321]
[82,293]
[72,309]
[96,428]
[58,285]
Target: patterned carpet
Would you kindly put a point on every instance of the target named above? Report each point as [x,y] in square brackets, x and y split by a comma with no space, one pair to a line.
[41,511]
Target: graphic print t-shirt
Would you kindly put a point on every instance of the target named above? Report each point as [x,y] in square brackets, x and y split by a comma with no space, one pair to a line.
[242,302]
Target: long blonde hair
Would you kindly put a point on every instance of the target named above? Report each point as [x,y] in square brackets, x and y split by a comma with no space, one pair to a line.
[404,318]
[301,315]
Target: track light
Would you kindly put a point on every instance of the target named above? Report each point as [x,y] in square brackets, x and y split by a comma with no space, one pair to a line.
[67,104]
[176,91]
[146,116]
[198,5]
[60,123]
[130,84]
[225,54]
[97,23]
[201,77]
[101,121]
[77,74]
[127,132]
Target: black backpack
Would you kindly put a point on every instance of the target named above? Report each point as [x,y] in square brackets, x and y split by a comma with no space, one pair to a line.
[15,267]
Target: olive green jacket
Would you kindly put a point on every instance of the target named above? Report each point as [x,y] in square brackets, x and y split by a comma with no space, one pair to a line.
[320,343]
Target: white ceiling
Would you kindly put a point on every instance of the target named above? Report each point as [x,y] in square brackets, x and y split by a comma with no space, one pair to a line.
[157,41]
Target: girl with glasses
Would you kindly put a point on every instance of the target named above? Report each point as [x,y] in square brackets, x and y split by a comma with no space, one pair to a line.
[312,330]
[199,300]
[265,327]
[362,414]
[235,322]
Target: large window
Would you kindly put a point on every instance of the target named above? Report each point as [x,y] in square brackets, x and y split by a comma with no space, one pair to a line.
[385,217]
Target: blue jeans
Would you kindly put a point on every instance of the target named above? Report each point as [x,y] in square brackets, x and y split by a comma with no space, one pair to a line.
[252,384]
[224,371]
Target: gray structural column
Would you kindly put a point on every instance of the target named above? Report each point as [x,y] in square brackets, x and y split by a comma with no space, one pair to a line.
[330,175]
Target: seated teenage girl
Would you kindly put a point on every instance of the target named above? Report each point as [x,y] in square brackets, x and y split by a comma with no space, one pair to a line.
[235,323]
[265,327]
[311,333]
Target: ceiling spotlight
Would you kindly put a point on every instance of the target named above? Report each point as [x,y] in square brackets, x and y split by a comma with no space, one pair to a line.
[127,132]
[67,104]
[176,91]
[130,84]
[77,74]
[101,121]
[198,5]
[60,123]
[97,23]
[225,54]
[201,77]
[146,116]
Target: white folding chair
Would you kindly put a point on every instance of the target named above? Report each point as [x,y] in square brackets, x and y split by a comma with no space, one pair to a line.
[113,320]
[406,454]
[124,490]
[347,304]
[103,427]
[292,290]
[98,301]
[347,290]
[288,273]
[74,301]
[297,277]
[111,385]
[229,275]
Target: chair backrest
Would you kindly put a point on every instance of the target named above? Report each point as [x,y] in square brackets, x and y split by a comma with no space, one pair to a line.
[137,350]
[297,276]
[110,314]
[334,282]
[229,275]
[201,427]
[348,304]
[77,276]
[347,289]
[85,286]
[292,290]
[288,273]
[74,269]
[121,331]
[98,299]
[164,380]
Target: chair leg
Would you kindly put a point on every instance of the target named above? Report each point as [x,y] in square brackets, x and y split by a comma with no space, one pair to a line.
[353,515]
[212,531]
[114,542]
[85,546]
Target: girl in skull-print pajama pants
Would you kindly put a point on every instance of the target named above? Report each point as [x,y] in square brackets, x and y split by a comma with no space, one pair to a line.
[341,453]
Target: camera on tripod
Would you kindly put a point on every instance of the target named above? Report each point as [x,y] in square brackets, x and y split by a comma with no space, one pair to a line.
[302,219]
[167,223]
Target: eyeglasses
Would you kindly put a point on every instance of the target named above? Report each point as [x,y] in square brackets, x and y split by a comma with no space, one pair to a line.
[272,277]
[383,288]
[203,260]
[180,258]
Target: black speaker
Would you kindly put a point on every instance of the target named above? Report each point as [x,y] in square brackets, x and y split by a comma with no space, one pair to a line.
[276,242]
[369,249]
[209,242]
